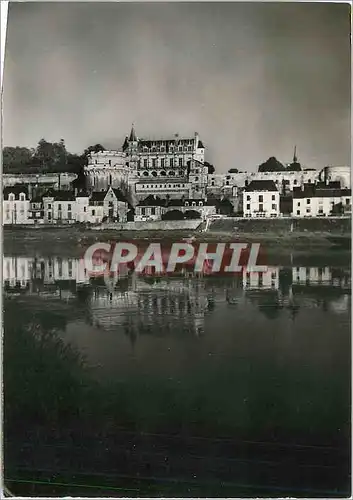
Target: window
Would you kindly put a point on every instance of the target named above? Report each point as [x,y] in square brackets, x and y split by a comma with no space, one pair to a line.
[49,205]
[308,201]
[308,210]
[69,215]
[59,206]
[162,149]
[143,211]
[180,162]
[273,197]
[295,182]
[171,162]
[261,198]
[274,207]
[22,197]
[180,148]
[110,162]
[189,148]
[93,212]
[248,198]
[49,216]
[154,162]
[248,206]
[227,183]
[347,201]
[200,203]
[196,179]
[84,209]
[298,203]
[321,211]
[162,162]
[145,163]
[261,207]
[298,212]
[153,211]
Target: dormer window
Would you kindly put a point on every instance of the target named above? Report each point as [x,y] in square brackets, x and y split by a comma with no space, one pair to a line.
[11,197]
[22,197]
[200,203]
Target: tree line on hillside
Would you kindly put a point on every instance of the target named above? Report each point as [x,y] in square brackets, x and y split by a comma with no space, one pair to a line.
[47,157]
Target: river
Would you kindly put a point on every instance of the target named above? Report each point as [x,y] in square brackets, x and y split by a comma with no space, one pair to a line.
[177,386]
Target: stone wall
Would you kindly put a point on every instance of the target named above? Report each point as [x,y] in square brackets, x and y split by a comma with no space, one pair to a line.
[280,226]
[173,225]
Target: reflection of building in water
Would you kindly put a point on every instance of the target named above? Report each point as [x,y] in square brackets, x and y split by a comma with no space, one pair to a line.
[16,271]
[152,306]
[266,280]
[157,305]
[320,276]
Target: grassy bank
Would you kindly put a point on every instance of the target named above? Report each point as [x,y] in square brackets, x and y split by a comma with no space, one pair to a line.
[72,242]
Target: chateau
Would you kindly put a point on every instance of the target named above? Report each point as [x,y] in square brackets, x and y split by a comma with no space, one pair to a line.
[166,167]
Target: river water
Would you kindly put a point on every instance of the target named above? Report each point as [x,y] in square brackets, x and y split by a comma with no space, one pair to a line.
[177,386]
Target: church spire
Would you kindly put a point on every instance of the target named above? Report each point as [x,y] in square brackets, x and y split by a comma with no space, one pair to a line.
[133,137]
[295,159]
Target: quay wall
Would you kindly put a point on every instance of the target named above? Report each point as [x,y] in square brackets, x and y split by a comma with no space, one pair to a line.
[282,226]
[152,225]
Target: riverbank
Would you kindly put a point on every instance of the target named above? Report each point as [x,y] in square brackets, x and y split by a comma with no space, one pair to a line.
[73,241]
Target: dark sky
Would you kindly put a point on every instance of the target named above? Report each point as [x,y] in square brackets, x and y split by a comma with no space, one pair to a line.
[253,79]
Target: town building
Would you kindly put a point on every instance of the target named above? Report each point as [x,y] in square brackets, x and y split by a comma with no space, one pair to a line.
[59,207]
[16,205]
[107,206]
[261,199]
[151,208]
[322,200]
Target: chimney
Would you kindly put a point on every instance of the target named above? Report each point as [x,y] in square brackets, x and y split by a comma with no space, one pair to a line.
[30,191]
[196,139]
[75,192]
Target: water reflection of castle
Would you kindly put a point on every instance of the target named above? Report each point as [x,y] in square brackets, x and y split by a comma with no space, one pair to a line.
[153,305]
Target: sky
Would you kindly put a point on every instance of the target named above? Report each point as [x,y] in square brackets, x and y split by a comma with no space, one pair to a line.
[253,79]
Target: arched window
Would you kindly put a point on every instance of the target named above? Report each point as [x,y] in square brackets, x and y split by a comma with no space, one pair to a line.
[22,197]
[145,174]
[171,172]
[11,197]
[163,173]
[154,173]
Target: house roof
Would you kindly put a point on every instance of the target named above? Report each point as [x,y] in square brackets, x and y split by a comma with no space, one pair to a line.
[314,192]
[183,201]
[97,196]
[265,185]
[60,195]
[16,190]
[152,201]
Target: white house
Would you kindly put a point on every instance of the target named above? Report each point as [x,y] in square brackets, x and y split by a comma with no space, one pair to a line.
[82,206]
[261,199]
[59,207]
[321,200]
[16,205]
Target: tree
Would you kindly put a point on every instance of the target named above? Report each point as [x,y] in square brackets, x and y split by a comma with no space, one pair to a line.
[233,171]
[93,149]
[173,215]
[192,214]
[271,165]
[16,157]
